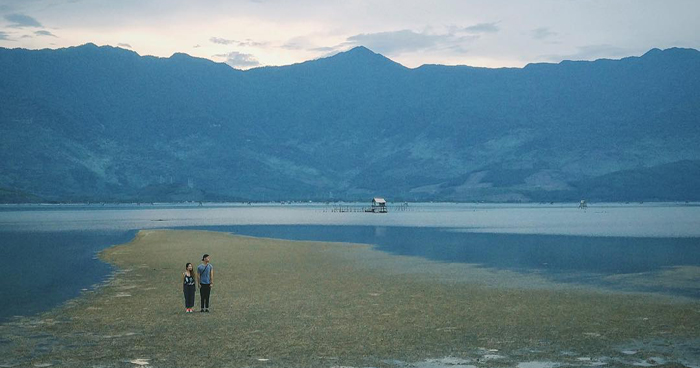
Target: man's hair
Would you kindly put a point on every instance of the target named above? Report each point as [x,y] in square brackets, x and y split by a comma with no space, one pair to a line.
[205,256]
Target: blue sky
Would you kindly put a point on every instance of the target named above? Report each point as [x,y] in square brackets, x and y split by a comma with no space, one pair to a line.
[251,33]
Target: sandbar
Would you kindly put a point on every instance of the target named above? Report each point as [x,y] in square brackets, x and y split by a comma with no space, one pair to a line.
[282,303]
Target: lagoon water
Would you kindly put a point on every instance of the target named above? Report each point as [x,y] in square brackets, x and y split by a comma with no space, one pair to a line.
[45,269]
[50,250]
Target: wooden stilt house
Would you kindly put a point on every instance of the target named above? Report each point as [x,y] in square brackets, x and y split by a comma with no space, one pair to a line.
[379,205]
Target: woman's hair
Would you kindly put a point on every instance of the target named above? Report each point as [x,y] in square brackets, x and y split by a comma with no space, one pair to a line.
[187,265]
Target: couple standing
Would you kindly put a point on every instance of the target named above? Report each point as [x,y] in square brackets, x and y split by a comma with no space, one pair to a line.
[205,272]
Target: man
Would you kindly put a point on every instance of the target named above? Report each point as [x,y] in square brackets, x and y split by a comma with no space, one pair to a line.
[206,281]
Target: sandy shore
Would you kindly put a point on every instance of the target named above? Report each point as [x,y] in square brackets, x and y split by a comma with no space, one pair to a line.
[309,304]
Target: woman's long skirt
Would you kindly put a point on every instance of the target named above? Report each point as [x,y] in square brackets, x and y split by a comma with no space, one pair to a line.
[189,295]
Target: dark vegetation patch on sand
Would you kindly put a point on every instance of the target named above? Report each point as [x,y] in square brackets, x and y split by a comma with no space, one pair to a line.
[311,304]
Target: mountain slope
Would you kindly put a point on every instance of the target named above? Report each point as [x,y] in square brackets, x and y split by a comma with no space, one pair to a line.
[102,123]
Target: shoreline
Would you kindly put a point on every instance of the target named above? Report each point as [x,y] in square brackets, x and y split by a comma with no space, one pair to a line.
[300,303]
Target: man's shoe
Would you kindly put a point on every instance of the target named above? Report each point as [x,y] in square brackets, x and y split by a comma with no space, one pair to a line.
[207,310]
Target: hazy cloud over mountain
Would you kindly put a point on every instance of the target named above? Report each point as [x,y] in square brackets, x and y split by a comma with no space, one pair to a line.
[240,60]
[396,42]
[593,52]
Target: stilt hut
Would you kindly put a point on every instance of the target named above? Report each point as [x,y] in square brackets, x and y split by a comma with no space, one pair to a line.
[378,205]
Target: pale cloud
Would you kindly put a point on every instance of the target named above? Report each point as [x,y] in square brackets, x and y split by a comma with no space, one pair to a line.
[44,33]
[239,60]
[395,42]
[5,36]
[592,52]
[459,49]
[542,33]
[318,43]
[406,41]
[298,43]
[482,28]
[125,45]
[222,41]
[599,51]
[246,43]
[21,21]
[323,49]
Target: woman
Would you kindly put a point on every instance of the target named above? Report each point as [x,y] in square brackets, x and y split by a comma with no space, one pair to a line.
[188,286]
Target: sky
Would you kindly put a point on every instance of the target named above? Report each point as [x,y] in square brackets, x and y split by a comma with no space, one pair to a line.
[253,33]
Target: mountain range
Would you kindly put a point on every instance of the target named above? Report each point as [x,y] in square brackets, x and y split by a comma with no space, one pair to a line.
[93,123]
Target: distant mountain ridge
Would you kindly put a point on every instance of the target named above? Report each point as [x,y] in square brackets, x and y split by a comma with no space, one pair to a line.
[93,123]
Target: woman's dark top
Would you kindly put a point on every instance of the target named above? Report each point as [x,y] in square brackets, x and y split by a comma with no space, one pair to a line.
[189,281]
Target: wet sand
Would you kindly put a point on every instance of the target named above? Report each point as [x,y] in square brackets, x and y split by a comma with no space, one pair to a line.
[309,304]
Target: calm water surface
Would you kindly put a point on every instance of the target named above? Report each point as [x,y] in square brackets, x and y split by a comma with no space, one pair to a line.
[50,250]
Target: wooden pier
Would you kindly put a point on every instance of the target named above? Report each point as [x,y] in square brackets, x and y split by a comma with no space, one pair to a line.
[342,208]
